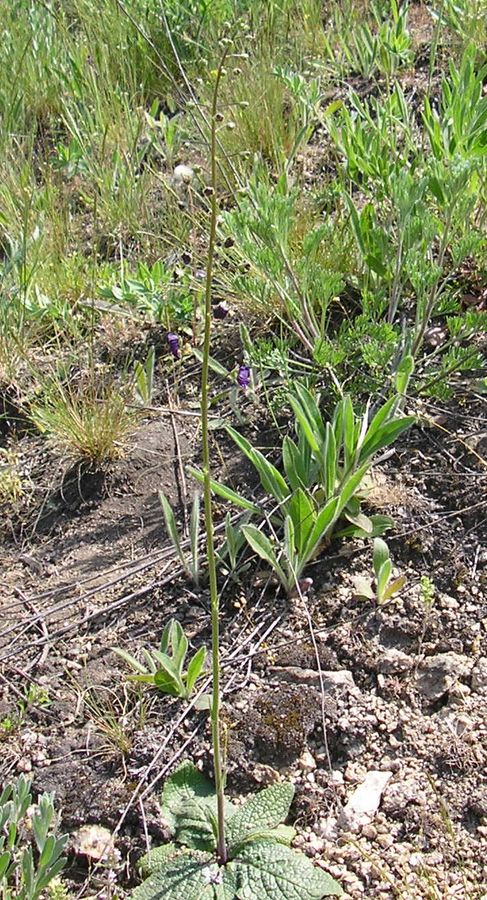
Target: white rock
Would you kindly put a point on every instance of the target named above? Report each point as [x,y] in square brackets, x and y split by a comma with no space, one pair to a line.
[364,802]
[394,662]
[96,843]
[437,674]
[307,762]
[341,680]
[479,675]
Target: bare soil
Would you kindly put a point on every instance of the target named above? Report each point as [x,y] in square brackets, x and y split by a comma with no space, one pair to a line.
[333,676]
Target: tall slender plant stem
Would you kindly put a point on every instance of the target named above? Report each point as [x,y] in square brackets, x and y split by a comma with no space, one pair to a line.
[215,623]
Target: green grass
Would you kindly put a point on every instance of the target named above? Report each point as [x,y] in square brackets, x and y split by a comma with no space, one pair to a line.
[350,215]
[84,423]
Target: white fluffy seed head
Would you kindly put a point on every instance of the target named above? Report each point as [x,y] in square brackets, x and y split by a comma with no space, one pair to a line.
[183,174]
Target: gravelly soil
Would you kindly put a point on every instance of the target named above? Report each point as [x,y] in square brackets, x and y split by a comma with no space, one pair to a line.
[322,690]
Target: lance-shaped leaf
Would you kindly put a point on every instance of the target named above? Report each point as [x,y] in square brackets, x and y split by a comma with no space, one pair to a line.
[289,543]
[329,461]
[225,492]
[383,578]
[263,547]
[350,433]
[381,553]
[195,668]
[132,661]
[302,512]
[308,417]
[349,487]
[163,681]
[323,524]
[171,526]
[393,588]
[271,479]
[361,521]
[294,464]
[404,371]
[168,673]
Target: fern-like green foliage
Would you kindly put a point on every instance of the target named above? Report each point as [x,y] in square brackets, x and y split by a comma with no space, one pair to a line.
[261,864]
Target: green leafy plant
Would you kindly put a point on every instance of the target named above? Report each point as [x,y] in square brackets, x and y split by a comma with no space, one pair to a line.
[280,267]
[465,18]
[385,586]
[191,563]
[25,873]
[164,133]
[459,126]
[384,45]
[167,668]
[260,863]
[427,592]
[219,852]
[154,293]
[69,159]
[323,480]
[394,40]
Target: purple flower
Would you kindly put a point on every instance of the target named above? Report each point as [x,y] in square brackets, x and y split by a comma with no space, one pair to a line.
[173,342]
[243,377]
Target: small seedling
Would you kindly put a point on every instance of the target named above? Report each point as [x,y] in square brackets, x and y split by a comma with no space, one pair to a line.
[427,592]
[259,863]
[165,668]
[385,588]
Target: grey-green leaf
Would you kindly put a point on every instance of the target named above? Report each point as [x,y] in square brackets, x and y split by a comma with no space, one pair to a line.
[156,859]
[267,809]
[381,553]
[226,493]
[196,825]
[188,875]
[265,870]
[262,545]
[195,669]
[186,783]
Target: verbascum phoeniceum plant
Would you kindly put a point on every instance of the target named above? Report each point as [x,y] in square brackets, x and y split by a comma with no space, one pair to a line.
[220,851]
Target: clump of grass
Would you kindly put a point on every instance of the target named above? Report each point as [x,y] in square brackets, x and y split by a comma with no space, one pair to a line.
[11,488]
[117,718]
[87,424]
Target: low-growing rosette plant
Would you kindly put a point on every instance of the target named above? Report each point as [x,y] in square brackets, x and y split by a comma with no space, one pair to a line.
[260,863]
